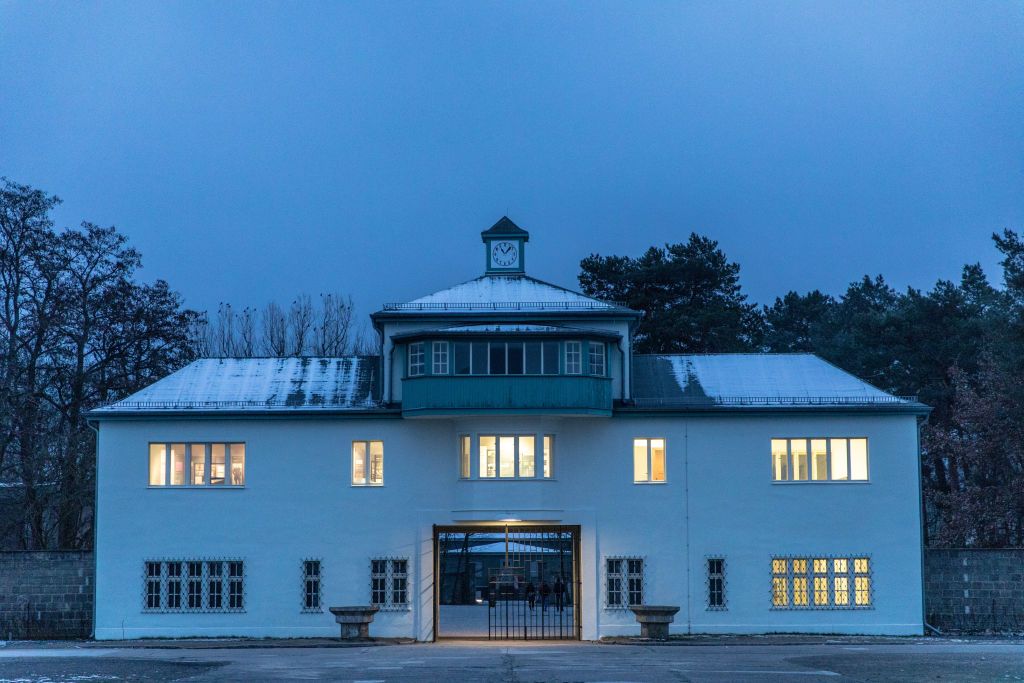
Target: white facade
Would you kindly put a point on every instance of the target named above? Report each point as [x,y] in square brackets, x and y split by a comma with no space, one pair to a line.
[718,498]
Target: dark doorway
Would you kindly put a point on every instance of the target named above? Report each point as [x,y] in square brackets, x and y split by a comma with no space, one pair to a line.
[514,582]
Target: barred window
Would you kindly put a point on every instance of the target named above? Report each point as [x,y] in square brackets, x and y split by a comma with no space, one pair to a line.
[716,583]
[193,585]
[821,583]
[389,583]
[311,586]
[624,582]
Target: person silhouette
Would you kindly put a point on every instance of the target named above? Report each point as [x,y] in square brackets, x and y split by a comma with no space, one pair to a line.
[531,595]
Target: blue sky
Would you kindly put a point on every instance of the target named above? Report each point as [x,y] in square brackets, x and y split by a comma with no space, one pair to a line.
[255,150]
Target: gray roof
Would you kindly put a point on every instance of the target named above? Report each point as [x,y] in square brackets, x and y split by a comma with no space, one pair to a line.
[750,379]
[260,384]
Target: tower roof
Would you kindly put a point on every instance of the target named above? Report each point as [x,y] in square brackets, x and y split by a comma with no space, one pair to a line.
[505,228]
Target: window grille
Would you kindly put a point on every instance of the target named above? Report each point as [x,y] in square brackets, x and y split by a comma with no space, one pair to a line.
[822,582]
[389,583]
[624,582]
[716,583]
[311,585]
[195,585]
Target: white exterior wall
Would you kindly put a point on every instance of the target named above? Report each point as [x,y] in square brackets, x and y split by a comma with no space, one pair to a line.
[298,504]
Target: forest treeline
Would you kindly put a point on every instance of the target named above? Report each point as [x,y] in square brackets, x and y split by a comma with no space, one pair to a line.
[78,330]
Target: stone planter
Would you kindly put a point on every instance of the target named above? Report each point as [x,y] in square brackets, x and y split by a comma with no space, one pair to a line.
[355,621]
[654,620]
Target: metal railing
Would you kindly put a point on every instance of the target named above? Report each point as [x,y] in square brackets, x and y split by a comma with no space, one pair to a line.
[740,401]
[504,306]
[198,405]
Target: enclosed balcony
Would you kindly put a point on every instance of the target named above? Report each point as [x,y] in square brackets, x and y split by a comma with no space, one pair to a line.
[507,370]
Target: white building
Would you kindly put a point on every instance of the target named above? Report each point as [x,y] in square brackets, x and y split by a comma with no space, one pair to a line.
[507,448]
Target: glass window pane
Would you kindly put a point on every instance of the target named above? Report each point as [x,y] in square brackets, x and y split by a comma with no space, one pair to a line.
[497,358]
[800,590]
[507,456]
[841,594]
[462,364]
[533,364]
[440,358]
[780,460]
[479,358]
[515,358]
[573,358]
[862,588]
[778,566]
[596,359]
[237,464]
[550,358]
[358,462]
[549,444]
[820,590]
[819,460]
[859,459]
[177,464]
[639,459]
[780,592]
[839,468]
[197,464]
[657,459]
[526,456]
[488,456]
[217,463]
[157,464]
[799,449]
[464,456]
[376,462]
[860,565]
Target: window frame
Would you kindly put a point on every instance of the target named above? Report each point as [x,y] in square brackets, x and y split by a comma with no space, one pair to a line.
[367,465]
[417,363]
[541,456]
[440,358]
[304,586]
[174,589]
[187,464]
[830,578]
[709,603]
[388,586]
[573,348]
[650,463]
[809,440]
[623,576]
[602,354]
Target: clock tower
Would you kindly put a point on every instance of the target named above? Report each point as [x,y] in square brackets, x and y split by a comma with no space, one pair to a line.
[505,244]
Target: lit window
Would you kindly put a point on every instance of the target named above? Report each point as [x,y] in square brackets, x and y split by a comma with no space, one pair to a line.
[367,463]
[464,456]
[196,464]
[648,460]
[596,359]
[416,364]
[193,585]
[822,583]
[311,586]
[389,583]
[716,583]
[509,457]
[573,357]
[440,364]
[826,460]
[624,582]
[157,464]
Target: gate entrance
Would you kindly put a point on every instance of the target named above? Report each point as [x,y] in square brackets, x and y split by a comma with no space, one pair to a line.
[507,582]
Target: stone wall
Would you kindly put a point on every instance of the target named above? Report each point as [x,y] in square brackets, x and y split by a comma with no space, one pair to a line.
[45,594]
[974,590]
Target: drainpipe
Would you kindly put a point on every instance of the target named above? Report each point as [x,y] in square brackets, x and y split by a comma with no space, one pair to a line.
[95,519]
[922,521]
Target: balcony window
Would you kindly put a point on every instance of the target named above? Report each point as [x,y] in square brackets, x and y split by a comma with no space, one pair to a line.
[440,358]
[596,359]
[416,362]
[501,358]
[573,358]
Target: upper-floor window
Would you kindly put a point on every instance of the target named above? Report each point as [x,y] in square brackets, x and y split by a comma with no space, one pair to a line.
[416,363]
[367,463]
[197,464]
[465,456]
[505,358]
[513,456]
[573,357]
[595,357]
[440,354]
[648,460]
[819,459]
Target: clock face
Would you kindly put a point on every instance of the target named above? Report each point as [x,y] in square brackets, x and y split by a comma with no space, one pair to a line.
[504,254]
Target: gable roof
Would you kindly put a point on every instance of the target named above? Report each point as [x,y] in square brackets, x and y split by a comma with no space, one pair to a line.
[504,293]
[260,384]
[750,379]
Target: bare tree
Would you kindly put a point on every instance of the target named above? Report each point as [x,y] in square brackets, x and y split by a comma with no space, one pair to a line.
[275,330]
[332,329]
[300,322]
[248,344]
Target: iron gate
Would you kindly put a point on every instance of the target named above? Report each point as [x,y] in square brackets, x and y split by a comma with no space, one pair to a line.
[527,577]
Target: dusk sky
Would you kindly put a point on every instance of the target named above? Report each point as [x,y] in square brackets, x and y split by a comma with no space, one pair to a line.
[252,151]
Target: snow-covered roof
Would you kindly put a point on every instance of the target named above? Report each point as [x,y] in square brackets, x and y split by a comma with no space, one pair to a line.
[508,329]
[260,384]
[504,293]
[755,379]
